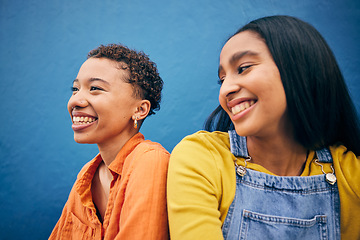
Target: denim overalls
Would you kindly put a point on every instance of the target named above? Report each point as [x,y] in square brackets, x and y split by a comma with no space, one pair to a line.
[275,207]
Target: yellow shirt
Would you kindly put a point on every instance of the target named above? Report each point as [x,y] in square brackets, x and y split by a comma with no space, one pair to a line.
[201,186]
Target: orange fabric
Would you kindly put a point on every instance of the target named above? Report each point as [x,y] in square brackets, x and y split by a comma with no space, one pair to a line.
[137,201]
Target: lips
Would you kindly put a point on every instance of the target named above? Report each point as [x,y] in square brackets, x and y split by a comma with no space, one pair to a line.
[82,120]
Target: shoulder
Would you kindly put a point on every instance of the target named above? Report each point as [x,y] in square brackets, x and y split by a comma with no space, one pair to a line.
[147,163]
[206,147]
[204,141]
[347,168]
[148,146]
[202,151]
[345,161]
[341,154]
[149,152]
[215,136]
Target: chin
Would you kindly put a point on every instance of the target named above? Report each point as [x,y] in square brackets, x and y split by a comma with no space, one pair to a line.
[79,141]
[241,132]
[82,140]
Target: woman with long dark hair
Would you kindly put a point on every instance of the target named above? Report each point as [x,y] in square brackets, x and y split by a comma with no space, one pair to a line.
[280,159]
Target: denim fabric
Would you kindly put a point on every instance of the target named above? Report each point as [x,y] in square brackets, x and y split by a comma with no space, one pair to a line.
[276,207]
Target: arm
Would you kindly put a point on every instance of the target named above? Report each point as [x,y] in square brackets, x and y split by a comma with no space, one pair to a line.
[347,169]
[60,225]
[194,192]
[73,220]
[56,232]
[144,214]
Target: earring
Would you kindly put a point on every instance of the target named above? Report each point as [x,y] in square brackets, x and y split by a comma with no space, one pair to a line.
[135,123]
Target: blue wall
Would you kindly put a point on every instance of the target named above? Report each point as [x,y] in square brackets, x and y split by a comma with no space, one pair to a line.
[43,43]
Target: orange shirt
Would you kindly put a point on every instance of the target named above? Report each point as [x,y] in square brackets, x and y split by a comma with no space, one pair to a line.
[136,207]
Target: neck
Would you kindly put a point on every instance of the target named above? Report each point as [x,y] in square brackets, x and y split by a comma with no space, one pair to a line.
[109,150]
[281,156]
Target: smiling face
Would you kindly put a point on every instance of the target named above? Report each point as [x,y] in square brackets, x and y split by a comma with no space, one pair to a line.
[102,104]
[251,93]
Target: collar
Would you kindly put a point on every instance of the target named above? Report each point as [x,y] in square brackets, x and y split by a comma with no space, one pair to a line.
[117,165]
[83,185]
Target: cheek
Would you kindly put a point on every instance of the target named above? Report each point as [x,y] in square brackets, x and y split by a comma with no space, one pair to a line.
[122,108]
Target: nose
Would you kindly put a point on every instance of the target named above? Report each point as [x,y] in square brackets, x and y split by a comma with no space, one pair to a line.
[77,100]
[229,87]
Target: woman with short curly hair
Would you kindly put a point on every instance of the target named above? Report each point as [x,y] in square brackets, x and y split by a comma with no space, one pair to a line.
[120,194]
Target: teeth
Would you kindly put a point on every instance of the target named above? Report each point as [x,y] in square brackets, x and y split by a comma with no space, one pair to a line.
[242,106]
[236,109]
[83,120]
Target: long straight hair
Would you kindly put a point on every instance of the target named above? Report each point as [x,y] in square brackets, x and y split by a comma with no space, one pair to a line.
[319,105]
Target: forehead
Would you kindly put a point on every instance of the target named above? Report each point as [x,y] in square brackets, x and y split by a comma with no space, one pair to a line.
[101,68]
[243,41]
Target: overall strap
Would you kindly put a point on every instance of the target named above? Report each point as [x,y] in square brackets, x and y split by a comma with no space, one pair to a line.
[324,155]
[238,144]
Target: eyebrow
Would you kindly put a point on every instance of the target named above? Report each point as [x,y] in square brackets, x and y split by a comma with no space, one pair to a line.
[93,80]
[238,55]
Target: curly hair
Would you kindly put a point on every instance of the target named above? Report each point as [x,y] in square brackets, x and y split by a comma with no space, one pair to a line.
[143,74]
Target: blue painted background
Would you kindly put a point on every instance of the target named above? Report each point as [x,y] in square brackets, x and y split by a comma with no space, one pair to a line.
[43,43]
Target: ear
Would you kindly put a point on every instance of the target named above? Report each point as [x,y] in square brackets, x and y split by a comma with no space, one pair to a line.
[143,109]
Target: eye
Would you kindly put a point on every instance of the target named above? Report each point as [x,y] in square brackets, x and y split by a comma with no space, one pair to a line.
[220,81]
[74,89]
[243,68]
[93,88]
